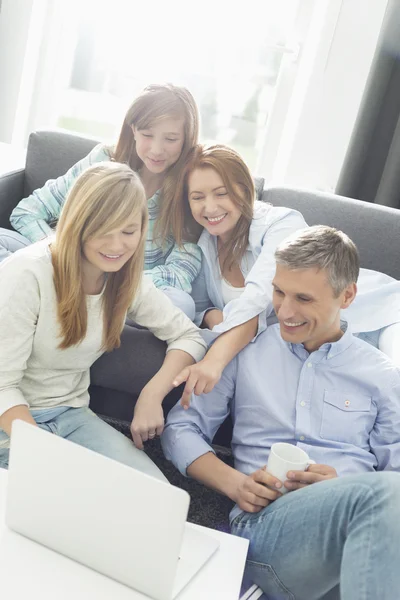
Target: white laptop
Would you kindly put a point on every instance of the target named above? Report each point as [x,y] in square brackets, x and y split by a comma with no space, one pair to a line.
[103,514]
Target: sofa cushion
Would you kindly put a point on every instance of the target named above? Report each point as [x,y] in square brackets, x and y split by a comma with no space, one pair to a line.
[50,154]
[11,187]
[259,185]
[373,228]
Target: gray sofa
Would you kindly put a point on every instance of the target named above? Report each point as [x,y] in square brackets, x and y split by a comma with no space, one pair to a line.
[118,377]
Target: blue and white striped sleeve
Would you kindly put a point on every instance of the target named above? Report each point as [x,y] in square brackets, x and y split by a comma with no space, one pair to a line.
[180,269]
[33,215]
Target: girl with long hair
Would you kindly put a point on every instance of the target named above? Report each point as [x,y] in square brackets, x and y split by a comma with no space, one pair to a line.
[158,131]
[63,303]
[216,208]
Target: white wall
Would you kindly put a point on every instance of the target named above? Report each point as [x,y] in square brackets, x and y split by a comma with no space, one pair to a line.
[328,85]
[22,32]
[320,137]
[15,19]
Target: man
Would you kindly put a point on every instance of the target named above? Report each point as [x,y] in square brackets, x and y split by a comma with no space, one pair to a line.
[307,381]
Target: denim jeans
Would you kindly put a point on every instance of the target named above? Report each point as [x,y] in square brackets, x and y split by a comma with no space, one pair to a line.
[10,242]
[181,300]
[342,532]
[82,426]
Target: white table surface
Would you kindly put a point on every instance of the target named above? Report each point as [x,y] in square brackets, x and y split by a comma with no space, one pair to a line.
[29,570]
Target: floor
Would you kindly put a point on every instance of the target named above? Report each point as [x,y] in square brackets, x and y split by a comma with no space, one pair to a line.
[207,507]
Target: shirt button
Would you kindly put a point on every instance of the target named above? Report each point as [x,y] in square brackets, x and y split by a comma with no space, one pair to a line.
[302,403]
[302,438]
[347,403]
[309,364]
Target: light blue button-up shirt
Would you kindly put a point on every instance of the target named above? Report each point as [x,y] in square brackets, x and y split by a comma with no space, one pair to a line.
[341,404]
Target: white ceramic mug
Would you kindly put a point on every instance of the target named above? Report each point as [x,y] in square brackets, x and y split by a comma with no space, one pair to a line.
[287,457]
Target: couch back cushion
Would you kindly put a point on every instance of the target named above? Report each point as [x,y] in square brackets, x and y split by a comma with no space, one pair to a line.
[50,154]
[375,229]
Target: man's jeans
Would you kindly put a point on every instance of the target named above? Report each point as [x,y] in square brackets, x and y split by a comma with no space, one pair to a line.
[10,242]
[344,531]
[82,426]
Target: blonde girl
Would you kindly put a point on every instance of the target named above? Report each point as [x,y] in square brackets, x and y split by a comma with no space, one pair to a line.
[63,303]
[158,131]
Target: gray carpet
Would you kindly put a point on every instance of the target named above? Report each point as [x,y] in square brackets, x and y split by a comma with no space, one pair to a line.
[207,507]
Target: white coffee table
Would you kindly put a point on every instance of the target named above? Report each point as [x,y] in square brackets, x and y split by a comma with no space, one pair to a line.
[29,570]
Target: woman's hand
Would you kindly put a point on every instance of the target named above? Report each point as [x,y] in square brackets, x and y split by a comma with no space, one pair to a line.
[148,419]
[200,379]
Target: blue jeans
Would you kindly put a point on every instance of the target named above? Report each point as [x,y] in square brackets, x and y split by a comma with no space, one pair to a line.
[82,426]
[10,242]
[342,532]
[181,300]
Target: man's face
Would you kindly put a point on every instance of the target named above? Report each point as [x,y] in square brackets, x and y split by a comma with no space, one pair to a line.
[306,306]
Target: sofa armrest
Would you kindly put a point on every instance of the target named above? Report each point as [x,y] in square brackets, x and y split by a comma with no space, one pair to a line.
[11,191]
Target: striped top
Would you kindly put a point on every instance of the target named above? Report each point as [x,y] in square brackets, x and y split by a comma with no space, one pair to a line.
[168,264]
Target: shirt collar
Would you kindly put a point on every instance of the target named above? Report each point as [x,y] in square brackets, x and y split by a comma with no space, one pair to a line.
[208,243]
[154,200]
[328,350]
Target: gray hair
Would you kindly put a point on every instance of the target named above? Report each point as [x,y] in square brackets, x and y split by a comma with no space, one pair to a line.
[324,248]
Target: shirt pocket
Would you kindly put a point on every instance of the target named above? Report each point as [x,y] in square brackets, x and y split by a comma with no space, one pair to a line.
[345,417]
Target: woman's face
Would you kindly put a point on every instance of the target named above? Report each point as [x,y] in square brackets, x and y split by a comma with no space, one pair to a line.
[210,203]
[109,252]
[160,146]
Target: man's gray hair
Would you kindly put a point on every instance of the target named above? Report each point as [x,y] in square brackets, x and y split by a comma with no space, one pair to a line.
[322,247]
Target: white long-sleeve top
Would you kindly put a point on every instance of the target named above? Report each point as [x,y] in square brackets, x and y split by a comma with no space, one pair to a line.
[269,227]
[34,371]
[376,305]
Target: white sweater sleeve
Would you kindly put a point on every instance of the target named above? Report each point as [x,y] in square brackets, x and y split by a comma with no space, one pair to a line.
[153,309]
[257,296]
[19,309]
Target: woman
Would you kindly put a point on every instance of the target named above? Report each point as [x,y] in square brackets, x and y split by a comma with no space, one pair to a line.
[238,238]
[158,131]
[63,303]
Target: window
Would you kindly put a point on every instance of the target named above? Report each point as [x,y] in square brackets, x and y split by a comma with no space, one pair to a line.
[281,80]
[229,55]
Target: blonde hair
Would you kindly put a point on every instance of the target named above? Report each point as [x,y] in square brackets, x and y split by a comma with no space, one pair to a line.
[104,197]
[155,103]
[240,186]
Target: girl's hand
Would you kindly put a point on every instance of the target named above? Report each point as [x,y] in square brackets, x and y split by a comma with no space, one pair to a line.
[200,379]
[148,420]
